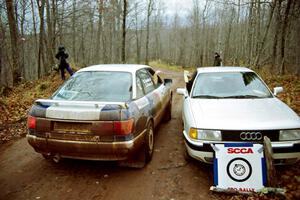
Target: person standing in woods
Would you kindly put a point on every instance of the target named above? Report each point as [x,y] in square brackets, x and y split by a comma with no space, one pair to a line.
[62,56]
[218,60]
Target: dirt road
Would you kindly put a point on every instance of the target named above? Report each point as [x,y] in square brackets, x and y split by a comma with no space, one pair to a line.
[24,174]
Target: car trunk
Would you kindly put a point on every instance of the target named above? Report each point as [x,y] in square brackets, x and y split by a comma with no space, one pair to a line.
[80,121]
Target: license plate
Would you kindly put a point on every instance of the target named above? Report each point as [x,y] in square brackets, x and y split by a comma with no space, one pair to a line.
[72,127]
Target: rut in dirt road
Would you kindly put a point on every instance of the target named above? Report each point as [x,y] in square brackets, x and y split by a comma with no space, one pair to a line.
[25,174]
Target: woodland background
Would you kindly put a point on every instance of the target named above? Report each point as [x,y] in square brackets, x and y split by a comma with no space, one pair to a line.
[254,33]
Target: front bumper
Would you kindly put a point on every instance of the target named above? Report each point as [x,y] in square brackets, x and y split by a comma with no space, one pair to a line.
[283,152]
[87,150]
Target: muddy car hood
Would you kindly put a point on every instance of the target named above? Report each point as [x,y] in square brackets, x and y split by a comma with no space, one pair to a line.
[243,114]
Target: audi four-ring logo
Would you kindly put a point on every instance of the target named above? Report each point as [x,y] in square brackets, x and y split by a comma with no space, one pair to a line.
[251,136]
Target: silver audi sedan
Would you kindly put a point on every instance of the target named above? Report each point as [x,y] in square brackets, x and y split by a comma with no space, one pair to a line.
[233,105]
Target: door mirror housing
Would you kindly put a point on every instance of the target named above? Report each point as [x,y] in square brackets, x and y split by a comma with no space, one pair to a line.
[277,90]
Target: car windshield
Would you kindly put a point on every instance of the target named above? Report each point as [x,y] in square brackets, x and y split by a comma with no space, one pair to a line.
[96,86]
[229,85]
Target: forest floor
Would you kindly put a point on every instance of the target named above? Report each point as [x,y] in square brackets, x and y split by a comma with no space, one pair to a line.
[25,175]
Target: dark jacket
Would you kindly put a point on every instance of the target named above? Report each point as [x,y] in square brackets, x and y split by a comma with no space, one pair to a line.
[62,56]
[217,61]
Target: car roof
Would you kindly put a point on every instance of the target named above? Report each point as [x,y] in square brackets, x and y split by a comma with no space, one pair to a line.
[132,68]
[222,69]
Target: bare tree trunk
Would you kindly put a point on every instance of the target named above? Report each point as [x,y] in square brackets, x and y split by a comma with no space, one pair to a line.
[97,55]
[61,22]
[34,25]
[41,57]
[283,36]
[6,74]
[138,46]
[263,41]
[149,12]
[227,42]
[250,32]
[14,36]
[277,29]
[118,31]
[91,38]
[74,31]
[258,27]
[50,34]
[82,47]
[124,31]
[22,63]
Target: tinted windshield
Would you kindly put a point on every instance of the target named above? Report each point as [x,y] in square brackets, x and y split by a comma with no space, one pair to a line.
[96,86]
[229,85]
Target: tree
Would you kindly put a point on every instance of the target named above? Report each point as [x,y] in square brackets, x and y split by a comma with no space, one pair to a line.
[41,56]
[14,37]
[283,35]
[99,31]
[124,31]
[6,75]
[263,41]
[150,5]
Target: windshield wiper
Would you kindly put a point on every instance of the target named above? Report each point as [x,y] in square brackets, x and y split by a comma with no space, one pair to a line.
[242,97]
[207,97]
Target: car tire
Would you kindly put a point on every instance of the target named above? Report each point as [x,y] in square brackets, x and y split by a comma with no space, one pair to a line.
[144,156]
[168,111]
[149,142]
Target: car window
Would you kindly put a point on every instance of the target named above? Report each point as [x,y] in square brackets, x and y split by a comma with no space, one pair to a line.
[146,80]
[155,77]
[96,86]
[139,88]
[229,85]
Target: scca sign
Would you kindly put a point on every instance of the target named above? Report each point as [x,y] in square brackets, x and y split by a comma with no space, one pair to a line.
[239,150]
[239,167]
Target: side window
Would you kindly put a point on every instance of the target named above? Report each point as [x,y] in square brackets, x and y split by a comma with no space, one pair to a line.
[139,88]
[146,80]
[155,78]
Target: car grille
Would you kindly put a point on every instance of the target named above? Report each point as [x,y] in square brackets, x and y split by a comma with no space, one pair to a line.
[250,136]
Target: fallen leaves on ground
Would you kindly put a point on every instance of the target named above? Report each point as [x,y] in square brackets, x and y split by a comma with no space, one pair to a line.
[15,105]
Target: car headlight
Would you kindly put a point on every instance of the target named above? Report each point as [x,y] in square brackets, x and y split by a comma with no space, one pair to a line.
[200,134]
[289,135]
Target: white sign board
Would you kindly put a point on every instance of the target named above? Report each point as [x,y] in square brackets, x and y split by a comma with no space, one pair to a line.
[239,167]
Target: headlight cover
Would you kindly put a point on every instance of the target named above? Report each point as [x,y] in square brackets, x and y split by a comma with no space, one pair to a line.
[200,134]
[285,135]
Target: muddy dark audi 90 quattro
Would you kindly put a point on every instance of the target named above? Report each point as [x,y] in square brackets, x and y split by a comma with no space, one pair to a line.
[103,112]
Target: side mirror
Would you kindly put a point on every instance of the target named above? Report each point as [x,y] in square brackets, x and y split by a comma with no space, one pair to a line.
[181,91]
[277,90]
[168,81]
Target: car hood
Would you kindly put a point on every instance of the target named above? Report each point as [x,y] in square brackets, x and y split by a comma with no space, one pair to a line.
[243,114]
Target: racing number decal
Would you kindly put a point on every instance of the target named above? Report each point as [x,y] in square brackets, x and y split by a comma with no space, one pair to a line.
[239,169]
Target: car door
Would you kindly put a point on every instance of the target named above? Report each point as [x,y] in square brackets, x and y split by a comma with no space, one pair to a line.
[142,103]
[152,93]
[162,90]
